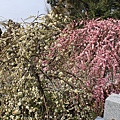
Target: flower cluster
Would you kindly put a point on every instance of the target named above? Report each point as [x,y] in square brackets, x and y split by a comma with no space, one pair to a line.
[55,70]
[94,47]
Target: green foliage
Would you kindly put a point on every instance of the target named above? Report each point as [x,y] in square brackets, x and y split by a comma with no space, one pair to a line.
[87,8]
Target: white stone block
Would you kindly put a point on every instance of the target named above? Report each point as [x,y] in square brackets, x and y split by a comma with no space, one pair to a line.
[99,118]
[112,107]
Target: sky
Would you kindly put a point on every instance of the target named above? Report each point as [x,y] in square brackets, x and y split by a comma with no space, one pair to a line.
[17,9]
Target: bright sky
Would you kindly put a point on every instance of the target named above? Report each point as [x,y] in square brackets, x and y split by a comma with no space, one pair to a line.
[17,9]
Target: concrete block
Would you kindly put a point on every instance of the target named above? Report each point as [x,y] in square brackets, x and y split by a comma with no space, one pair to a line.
[112,107]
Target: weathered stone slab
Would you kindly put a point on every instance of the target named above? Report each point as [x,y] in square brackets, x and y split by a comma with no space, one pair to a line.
[112,107]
